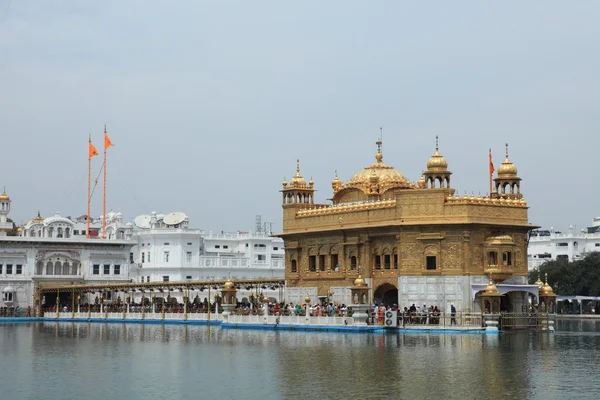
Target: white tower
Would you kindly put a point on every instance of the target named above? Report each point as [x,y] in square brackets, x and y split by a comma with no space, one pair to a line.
[5,226]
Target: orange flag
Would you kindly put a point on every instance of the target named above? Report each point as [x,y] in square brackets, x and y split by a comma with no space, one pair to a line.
[107,142]
[92,150]
[492,169]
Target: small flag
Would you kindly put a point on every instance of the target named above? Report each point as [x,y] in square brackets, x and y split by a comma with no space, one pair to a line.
[492,169]
[92,150]
[107,142]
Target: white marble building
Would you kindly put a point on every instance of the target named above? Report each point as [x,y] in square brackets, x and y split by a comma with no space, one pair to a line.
[49,251]
[546,245]
[167,249]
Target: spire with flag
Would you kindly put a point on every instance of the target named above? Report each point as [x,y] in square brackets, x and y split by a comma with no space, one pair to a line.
[107,144]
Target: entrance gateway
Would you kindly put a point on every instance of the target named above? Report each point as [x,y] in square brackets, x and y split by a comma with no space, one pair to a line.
[386,294]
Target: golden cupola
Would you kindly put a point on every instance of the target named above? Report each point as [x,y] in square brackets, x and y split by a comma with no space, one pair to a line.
[298,181]
[507,183]
[507,169]
[437,174]
[297,191]
[4,196]
[336,183]
[377,178]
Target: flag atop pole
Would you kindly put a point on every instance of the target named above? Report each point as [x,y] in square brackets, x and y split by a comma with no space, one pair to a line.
[107,142]
[92,150]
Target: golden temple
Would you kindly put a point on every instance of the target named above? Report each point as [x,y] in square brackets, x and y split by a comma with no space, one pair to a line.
[413,242]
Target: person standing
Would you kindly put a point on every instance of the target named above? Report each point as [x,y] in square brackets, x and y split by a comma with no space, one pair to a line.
[452,314]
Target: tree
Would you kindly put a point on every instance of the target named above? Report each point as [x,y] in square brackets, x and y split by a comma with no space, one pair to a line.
[13,231]
[581,277]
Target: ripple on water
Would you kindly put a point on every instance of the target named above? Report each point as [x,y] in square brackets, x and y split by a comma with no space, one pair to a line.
[76,360]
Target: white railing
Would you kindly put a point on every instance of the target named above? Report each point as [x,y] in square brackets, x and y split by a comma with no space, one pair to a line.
[290,320]
[136,315]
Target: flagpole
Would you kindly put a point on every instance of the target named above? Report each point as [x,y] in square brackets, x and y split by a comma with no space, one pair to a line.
[87,230]
[104,191]
[491,169]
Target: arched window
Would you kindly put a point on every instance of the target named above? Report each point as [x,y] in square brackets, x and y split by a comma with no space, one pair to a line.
[492,258]
[66,270]
[57,268]
[49,268]
[39,268]
[353,264]
[507,258]
[294,266]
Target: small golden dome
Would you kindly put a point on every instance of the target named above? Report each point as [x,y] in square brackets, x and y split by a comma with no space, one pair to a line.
[4,196]
[266,299]
[421,182]
[228,285]
[360,282]
[19,230]
[336,182]
[437,162]
[298,180]
[507,168]
[307,299]
[284,183]
[539,283]
[491,288]
[311,183]
[546,290]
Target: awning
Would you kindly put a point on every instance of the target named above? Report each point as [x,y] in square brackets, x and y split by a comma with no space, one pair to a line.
[9,289]
[503,289]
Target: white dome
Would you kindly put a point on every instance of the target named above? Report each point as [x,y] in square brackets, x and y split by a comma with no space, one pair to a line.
[57,218]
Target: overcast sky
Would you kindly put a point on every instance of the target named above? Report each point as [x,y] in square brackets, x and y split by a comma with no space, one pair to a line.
[209,103]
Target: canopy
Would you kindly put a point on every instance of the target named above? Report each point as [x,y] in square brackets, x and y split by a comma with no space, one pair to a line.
[9,289]
[503,289]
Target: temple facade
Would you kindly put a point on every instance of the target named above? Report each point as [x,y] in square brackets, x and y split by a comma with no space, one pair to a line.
[413,242]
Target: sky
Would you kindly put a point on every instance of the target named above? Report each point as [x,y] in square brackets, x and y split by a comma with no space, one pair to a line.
[210,103]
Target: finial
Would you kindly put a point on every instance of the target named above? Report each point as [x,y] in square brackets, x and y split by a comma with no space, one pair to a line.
[546,278]
[39,214]
[90,138]
[104,128]
[298,166]
[436,143]
[336,173]
[4,188]
[506,150]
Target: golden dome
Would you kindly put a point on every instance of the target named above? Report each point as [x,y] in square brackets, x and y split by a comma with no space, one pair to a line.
[437,162]
[4,196]
[284,183]
[266,299]
[307,299]
[491,289]
[311,183]
[297,180]
[539,282]
[19,230]
[507,168]
[385,175]
[421,182]
[546,290]
[228,285]
[38,219]
[336,182]
[360,282]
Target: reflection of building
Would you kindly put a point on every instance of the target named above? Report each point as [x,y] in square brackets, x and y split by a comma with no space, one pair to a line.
[416,243]
[51,251]
[547,245]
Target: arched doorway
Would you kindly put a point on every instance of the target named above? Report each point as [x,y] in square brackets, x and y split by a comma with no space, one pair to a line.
[386,294]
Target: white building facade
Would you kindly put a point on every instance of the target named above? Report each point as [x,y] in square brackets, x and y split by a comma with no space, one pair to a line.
[550,245]
[168,250]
